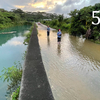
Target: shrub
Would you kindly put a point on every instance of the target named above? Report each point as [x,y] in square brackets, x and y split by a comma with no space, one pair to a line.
[12,74]
[66,26]
[28,35]
[15,94]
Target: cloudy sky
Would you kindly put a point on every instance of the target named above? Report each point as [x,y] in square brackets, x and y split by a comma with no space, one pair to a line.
[52,6]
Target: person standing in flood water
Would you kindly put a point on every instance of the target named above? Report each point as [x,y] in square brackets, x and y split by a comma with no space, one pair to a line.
[59,36]
[48,31]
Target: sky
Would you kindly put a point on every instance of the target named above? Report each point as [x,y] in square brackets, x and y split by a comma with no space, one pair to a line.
[49,6]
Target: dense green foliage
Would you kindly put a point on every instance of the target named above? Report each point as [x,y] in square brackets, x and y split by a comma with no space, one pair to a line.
[82,20]
[17,17]
[79,22]
[34,16]
[8,19]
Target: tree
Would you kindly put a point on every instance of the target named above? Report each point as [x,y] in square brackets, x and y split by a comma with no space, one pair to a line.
[60,18]
[74,13]
[17,11]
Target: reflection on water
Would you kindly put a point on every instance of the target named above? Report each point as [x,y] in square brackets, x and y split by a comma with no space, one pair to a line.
[15,41]
[59,49]
[73,67]
[11,50]
[19,31]
[48,41]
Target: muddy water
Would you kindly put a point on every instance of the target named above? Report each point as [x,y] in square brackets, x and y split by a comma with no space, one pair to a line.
[73,67]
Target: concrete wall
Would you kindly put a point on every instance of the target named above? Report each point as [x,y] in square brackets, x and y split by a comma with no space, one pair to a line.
[34,84]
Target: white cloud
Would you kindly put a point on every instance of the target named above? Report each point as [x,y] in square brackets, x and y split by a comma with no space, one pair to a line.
[55,6]
[92,2]
[70,5]
[71,2]
[15,41]
[18,2]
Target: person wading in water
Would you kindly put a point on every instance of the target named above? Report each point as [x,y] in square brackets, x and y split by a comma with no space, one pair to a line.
[59,36]
[88,33]
[48,31]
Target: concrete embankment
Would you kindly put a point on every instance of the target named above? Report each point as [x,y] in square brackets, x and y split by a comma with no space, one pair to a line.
[34,84]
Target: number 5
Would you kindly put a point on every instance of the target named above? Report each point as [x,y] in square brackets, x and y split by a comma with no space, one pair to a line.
[96,17]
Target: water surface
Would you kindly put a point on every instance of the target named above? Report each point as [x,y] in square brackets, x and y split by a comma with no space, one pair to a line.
[11,50]
[73,67]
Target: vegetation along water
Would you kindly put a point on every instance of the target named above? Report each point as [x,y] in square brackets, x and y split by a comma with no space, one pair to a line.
[11,60]
[11,39]
[79,22]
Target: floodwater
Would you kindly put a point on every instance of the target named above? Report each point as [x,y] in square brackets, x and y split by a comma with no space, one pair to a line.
[11,50]
[73,67]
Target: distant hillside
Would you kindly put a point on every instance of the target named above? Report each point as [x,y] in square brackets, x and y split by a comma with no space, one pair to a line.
[35,16]
[18,16]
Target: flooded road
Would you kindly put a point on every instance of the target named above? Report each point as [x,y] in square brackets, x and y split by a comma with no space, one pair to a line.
[73,67]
